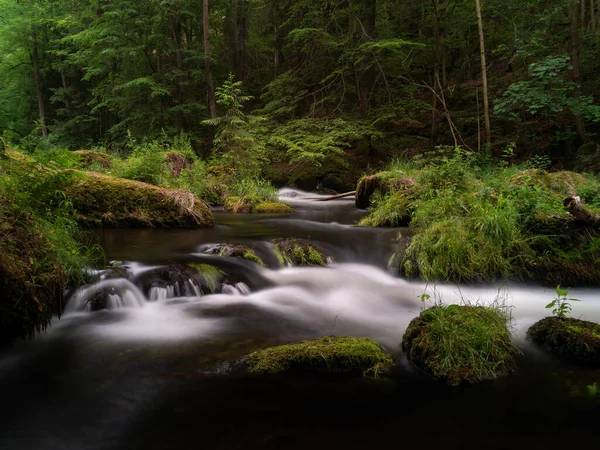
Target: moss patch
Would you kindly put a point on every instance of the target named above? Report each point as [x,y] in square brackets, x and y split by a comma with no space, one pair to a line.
[212,275]
[273,208]
[570,339]
[238,251]
[456,344]
[298,252]
[102,200]
[91,158]
[328,354]
[384,182]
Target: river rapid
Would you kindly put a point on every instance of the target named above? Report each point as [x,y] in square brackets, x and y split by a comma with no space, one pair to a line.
[152,371]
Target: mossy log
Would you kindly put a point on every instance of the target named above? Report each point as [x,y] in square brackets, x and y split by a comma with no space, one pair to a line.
[570,339]
[327,355]
[102,200]
[581,214]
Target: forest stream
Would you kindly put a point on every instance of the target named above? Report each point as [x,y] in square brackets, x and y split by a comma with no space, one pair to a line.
[154,370]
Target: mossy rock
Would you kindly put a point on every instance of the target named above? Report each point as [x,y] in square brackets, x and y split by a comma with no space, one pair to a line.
[207,277]
[102,200]
[383,182]
[324,355]
[237,204]
[236,251]
[90,158]
[298,252]
[571,339]
[273,208]
[531,178]
[176,162]
[457,344]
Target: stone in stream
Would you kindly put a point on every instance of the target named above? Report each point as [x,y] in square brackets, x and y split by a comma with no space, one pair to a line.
[570,339]
[456,344]
[328,354]
[298,252]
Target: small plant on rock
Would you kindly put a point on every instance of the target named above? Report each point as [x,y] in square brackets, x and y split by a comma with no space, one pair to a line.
[561,304]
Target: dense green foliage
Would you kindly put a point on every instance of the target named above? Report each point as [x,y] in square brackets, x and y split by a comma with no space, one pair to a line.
[40,247]
[475,222]
[317,89]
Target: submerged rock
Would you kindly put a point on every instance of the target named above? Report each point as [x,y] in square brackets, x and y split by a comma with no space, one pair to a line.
[457,344]
[273,208]
[327,355]
[298,252]
[571,339]
[102,200]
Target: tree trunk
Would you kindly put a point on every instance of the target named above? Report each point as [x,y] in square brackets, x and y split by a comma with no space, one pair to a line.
[212,108]
[38,85]
[575,63]
[486,106]
[242,28]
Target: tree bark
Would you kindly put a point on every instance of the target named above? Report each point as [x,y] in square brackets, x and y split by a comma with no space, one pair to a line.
[335,197]
[242,34]
[575,63]
[38,85]
[580,212]
[212,108]
[486,106]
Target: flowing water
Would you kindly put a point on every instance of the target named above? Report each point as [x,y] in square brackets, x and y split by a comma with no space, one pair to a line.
[140,358]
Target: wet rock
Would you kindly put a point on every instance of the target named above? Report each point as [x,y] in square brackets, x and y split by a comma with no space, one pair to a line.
[298,252]
[457,344]
[273,208]
[326,355]
[180,280]
[235,251]
[571,339]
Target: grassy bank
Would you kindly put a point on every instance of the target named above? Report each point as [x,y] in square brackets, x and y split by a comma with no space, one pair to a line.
[478,222]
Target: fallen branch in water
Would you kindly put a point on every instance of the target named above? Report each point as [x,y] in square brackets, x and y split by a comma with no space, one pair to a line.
[334,197]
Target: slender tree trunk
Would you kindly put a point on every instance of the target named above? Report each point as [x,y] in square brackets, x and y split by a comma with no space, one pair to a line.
[592,16]
[212,108]
[242,29]
[574,54]
[38,85]
[486,106]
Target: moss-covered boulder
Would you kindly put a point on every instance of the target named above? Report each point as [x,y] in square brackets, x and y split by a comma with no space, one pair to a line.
[244,205]
[90,158]
[273,208]
[298,252]
[571,339]
[235,251]
[326,355]
[102,200]
[383,182]
[457,344]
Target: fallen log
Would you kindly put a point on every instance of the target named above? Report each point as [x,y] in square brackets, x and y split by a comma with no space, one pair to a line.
[580,212]
[335,197]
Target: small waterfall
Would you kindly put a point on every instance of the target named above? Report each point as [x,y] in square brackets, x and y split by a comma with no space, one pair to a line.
[237,289]
[158,293]
[109,294]
[191,289]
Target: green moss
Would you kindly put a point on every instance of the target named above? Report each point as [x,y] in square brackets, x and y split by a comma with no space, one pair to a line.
[570,339]
[455,344]
[102,200]
[391,210]
[269,207]
[211,275]
[382,182]
[237,204]
[90,158]
[328,354]
[240,251]
[298,252]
